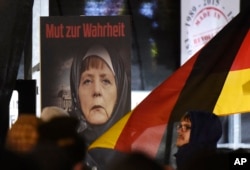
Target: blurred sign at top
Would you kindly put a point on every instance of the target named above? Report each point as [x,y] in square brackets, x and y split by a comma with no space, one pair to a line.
[201,21]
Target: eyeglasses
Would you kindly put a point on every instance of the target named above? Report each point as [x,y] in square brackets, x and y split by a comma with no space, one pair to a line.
[183,128]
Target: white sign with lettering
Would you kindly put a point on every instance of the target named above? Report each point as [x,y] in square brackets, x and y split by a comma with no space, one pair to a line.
[201,20]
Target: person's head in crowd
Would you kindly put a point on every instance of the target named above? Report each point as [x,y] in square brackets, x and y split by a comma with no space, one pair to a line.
[99,89]
[199,127]
[10,160]
[61,133]
[136,161]
[50,112]
[49,156]
[197,135]
[22,137]
[183,130]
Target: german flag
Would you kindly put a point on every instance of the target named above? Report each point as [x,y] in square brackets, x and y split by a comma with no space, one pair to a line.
[216,79]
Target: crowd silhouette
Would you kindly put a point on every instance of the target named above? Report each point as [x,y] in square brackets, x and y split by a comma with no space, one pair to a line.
[51,142]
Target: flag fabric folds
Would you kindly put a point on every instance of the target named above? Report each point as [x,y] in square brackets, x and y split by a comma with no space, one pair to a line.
[216,79]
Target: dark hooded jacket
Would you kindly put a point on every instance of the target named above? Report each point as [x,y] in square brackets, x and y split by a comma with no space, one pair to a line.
[206,130]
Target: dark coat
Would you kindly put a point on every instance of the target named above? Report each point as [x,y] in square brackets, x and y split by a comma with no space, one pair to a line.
[206,130]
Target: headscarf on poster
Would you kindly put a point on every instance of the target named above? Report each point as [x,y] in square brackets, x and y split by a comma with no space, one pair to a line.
[88,130]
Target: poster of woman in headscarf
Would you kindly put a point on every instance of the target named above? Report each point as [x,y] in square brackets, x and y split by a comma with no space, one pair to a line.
[85,69]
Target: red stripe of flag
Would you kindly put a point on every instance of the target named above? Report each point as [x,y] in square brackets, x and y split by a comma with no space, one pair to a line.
[154,112]
[242,61]
[196,85]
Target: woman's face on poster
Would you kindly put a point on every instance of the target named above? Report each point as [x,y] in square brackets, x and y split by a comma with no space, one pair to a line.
[97,93]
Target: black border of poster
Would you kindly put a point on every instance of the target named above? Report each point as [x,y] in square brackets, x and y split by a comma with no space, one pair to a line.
[63,36]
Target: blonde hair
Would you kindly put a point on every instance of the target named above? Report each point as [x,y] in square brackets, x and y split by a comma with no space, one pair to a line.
[52,111]
[95,62]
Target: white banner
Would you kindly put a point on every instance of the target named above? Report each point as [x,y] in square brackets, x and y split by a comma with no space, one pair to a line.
[201,20]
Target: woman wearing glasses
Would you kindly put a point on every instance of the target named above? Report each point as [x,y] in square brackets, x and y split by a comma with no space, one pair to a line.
[198,134]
